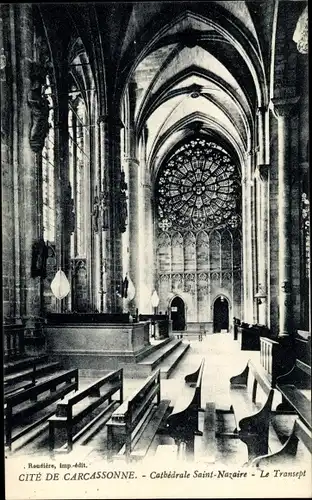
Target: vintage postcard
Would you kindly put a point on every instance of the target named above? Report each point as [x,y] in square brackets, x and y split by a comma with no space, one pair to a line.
[156,249]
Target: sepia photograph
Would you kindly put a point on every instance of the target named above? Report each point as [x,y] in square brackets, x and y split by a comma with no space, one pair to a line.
[155,204]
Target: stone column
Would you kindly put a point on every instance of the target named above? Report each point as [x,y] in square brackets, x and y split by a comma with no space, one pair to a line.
[247,244]
[262,173]
[116,214]
[63,189]
[134,188]
[104,220]
[149,264]
[134,229]
[283,109]
[10,168]
[28,157]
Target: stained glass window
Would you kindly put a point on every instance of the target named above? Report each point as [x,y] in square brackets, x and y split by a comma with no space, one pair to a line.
[199,187]
[78,159]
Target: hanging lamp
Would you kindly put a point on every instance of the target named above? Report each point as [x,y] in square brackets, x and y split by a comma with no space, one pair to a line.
[60,285]
[131,289]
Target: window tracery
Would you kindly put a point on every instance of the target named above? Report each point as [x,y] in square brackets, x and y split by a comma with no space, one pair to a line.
[198,188]
[78,159]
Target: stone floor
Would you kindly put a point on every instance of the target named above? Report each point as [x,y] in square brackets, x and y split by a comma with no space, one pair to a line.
[223,359]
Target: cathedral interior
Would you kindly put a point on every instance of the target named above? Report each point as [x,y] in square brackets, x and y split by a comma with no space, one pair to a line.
[156,230]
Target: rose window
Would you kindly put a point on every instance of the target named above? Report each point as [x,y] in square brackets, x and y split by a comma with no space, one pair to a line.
[198,187]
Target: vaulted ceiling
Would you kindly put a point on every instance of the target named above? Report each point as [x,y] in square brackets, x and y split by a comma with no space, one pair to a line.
[202,66]
[194,65]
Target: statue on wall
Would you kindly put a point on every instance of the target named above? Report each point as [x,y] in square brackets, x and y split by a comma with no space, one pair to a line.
[122,211]
[104,199]
[96,212]
[123,184]
[39,106]
[122,204]
[100,210]
[37,100]
[39,259]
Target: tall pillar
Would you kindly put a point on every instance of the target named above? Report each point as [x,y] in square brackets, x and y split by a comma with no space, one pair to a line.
[262,173]
[247,244]
[29,148]
[105,228]
[63,189]
[283,109]
[149,264]
[262,195]
[10,168]
[117,214]
[134,190]
[134,228]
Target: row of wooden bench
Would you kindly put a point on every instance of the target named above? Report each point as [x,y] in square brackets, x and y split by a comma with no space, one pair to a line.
[131,424]
[252,427]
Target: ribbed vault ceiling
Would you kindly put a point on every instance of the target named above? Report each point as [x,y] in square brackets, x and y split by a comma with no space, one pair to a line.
[202,67]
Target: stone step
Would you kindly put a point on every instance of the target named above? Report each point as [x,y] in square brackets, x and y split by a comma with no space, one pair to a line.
[153,360]
[169,363]
[152,349]
[165,358]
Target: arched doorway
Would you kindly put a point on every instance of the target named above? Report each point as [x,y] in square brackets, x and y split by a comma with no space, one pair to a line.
[178,314]
[220,314]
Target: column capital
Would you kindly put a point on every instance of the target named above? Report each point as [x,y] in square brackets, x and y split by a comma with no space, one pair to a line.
[262,171]
[262,109]
[284,107]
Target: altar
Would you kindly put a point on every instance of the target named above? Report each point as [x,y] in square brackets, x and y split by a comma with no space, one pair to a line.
[96,346]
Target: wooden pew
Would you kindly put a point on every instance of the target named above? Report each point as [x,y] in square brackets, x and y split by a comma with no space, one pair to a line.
[282,367]
[253,429]
[302,344]
[192,378]
[182,424]
[25,403]
[133,425]
[252,425]
[23,363]
[292,387]
[289,450]
[259,377]
[250,336]
[71,410]
[28,374]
